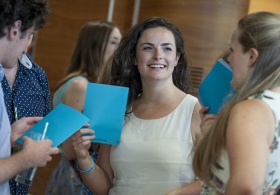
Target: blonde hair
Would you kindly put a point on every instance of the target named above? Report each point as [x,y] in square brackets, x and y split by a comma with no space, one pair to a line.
[260,30]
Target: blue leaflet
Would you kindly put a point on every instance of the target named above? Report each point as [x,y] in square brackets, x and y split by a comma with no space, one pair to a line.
[215,88]
[105,106]
[63,122]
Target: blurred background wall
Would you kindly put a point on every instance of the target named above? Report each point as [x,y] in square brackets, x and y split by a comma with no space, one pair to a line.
[206,26]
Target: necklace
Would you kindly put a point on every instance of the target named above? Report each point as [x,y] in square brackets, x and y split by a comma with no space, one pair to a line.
[11,82]
[10,75]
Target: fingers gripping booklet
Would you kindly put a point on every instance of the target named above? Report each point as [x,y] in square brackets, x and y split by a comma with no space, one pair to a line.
[215,88]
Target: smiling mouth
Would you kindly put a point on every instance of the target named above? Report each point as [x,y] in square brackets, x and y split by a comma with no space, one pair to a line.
[157,66]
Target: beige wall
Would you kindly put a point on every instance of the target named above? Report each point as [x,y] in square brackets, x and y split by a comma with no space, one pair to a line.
[264,5]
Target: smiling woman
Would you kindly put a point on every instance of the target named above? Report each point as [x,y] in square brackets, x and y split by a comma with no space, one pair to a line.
[161,122]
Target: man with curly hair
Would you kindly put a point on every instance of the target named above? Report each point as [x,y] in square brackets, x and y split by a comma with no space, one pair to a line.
[18,21]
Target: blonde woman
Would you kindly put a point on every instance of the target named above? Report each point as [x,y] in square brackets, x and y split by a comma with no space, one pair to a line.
[240,152]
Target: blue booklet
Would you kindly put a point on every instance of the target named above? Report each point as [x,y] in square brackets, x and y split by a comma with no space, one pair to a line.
[105,106]
[62,122]
[215,87]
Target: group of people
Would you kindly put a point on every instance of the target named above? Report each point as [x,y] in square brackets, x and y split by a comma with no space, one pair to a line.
[169,145]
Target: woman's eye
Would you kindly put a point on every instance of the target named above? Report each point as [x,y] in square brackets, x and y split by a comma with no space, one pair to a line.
[114,43]
[147,48]
[167,49]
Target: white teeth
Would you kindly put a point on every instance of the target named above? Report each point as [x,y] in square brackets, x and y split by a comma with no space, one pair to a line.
[156,66]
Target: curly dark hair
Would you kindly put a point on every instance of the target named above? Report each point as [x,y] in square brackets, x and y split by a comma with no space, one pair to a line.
[125,73]
[29,12]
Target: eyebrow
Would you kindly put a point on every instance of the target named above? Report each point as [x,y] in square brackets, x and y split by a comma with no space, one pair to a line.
[163,44]
[114,38]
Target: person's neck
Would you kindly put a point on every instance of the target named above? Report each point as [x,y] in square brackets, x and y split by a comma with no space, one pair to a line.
[2,45]
[10,74]
[159,95]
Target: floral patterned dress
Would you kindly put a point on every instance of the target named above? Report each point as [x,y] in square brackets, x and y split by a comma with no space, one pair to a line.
[272,184]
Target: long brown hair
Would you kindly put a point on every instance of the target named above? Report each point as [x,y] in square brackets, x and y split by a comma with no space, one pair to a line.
[260,30]
[88,55]
[105,72]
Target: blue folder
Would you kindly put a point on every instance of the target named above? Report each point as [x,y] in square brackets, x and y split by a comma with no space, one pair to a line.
[105,106]
[63,122]
[215,88]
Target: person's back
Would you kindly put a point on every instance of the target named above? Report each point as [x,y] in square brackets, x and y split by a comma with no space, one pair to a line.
[273,172]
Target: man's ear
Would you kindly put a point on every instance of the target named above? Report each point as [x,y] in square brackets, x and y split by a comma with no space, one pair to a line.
[14,31]
[253,56]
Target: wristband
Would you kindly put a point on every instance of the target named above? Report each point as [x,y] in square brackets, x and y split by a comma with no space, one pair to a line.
[87,170]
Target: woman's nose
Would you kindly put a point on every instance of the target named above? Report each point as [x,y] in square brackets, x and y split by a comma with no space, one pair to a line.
[158,54]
